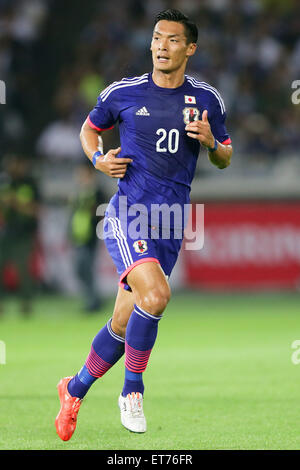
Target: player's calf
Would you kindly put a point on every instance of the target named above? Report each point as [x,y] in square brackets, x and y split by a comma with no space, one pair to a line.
[122,311]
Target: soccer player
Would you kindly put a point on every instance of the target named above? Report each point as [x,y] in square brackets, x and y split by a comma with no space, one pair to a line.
[163,117]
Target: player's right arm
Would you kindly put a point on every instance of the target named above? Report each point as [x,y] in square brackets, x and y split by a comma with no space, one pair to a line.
[109,163]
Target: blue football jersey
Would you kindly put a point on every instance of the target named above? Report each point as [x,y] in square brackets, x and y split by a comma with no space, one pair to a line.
[152,131]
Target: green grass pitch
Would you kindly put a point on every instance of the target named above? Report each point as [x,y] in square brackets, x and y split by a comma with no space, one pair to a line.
[219,377]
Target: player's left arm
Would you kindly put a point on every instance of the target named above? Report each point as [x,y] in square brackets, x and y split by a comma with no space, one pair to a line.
[218,153]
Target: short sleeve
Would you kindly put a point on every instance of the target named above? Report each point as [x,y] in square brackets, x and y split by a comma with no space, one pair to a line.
[106,112]
[217,123]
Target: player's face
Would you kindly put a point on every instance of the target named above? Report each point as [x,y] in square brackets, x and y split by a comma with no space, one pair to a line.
[169,48]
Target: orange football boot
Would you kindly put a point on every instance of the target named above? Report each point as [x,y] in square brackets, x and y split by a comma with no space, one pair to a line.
[66,419]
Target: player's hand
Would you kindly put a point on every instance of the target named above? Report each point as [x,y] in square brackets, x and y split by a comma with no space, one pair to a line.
[111,165]
[201,131]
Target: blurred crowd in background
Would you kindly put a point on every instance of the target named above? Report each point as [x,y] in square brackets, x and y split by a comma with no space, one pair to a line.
[56,56]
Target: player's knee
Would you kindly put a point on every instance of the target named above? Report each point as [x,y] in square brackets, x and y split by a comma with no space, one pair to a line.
[155,301]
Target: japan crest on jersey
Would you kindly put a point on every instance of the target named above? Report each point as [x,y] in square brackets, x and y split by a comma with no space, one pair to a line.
[190,115]
[140,246]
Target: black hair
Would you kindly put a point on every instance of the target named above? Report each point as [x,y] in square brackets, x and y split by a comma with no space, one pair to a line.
[191,30]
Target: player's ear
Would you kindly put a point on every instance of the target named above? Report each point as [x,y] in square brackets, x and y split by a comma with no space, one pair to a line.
[191,49]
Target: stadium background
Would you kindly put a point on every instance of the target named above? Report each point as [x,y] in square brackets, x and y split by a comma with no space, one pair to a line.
[56,56]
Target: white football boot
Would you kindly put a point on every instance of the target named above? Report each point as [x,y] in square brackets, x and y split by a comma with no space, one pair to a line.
[132,414]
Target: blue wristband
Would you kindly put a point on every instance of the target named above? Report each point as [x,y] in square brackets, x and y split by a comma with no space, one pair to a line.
[96,156]
[213,149]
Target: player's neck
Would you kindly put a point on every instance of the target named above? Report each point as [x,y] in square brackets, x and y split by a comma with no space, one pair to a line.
[168,80]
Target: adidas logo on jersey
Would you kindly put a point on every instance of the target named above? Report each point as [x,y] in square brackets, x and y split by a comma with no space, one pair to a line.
[142,112]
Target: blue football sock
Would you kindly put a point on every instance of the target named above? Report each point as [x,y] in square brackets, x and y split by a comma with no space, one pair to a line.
[107,348]
[80,384]
[141,333]
[133,383]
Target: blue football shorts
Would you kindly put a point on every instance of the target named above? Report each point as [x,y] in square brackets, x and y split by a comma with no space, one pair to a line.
[129,248]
